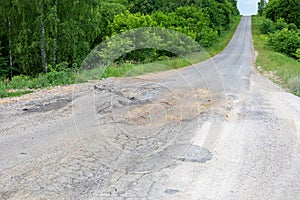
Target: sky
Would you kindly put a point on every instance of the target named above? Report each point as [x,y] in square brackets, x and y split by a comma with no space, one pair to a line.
[247,7]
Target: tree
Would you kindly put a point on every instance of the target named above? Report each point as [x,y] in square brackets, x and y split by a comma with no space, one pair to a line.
[261,7]
[4,69]
[43,38]
[9,22]
[289,10]
[37,34]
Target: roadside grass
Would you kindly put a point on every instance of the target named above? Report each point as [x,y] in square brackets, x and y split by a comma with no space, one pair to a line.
[285,69]
[20,85]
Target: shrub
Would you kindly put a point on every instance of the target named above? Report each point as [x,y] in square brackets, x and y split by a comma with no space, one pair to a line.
[53,79]
[266,26]
[58,67]
[297,54]
[285,41]
[280,24]
[20,82]
[292,27]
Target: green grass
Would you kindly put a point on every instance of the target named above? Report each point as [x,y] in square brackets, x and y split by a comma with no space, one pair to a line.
[20,85]
[13,94]
[24,84]
[285,68]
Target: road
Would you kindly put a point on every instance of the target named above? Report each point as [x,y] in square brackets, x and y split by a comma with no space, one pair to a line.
[215,130]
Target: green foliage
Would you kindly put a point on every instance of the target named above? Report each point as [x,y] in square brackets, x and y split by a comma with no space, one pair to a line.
[4,69]
[53,79]
[266,26]
[285,41]
[58,67]
[24,84]
[166,6]
[20,82]
[261,7]
[289,10]
[192,21]
[41,81]
[286,69]
[163,63]
[4,93]
[297,54]
[69,30]
[144,45]
[146,6]
[56,36]
[195,23]
[280,24]
[292,26]
[280,36]
[107,11]
[43,34]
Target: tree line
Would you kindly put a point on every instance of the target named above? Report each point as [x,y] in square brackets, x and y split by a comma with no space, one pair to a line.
[281,25]
[39,36]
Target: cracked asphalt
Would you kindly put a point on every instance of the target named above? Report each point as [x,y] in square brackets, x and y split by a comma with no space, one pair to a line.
[215,130]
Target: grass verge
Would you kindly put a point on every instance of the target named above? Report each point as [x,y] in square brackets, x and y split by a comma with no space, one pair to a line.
[20,85]
[281,69]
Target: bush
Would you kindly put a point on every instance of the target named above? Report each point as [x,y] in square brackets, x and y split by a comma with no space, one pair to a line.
[58,78]
[292,27]
[43,80]
[20,82]
[53,79]
[280,24]
[266,26]
[297,54]
[285,41]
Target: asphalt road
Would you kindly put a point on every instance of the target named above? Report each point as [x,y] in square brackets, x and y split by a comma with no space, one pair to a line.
[215,130]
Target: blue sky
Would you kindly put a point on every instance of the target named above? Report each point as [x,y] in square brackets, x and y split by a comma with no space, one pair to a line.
[247,7]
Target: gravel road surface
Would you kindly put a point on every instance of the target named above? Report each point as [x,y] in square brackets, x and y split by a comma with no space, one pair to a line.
[215,130]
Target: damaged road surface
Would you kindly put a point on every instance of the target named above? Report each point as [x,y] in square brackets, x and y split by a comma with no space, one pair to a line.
[210,131]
